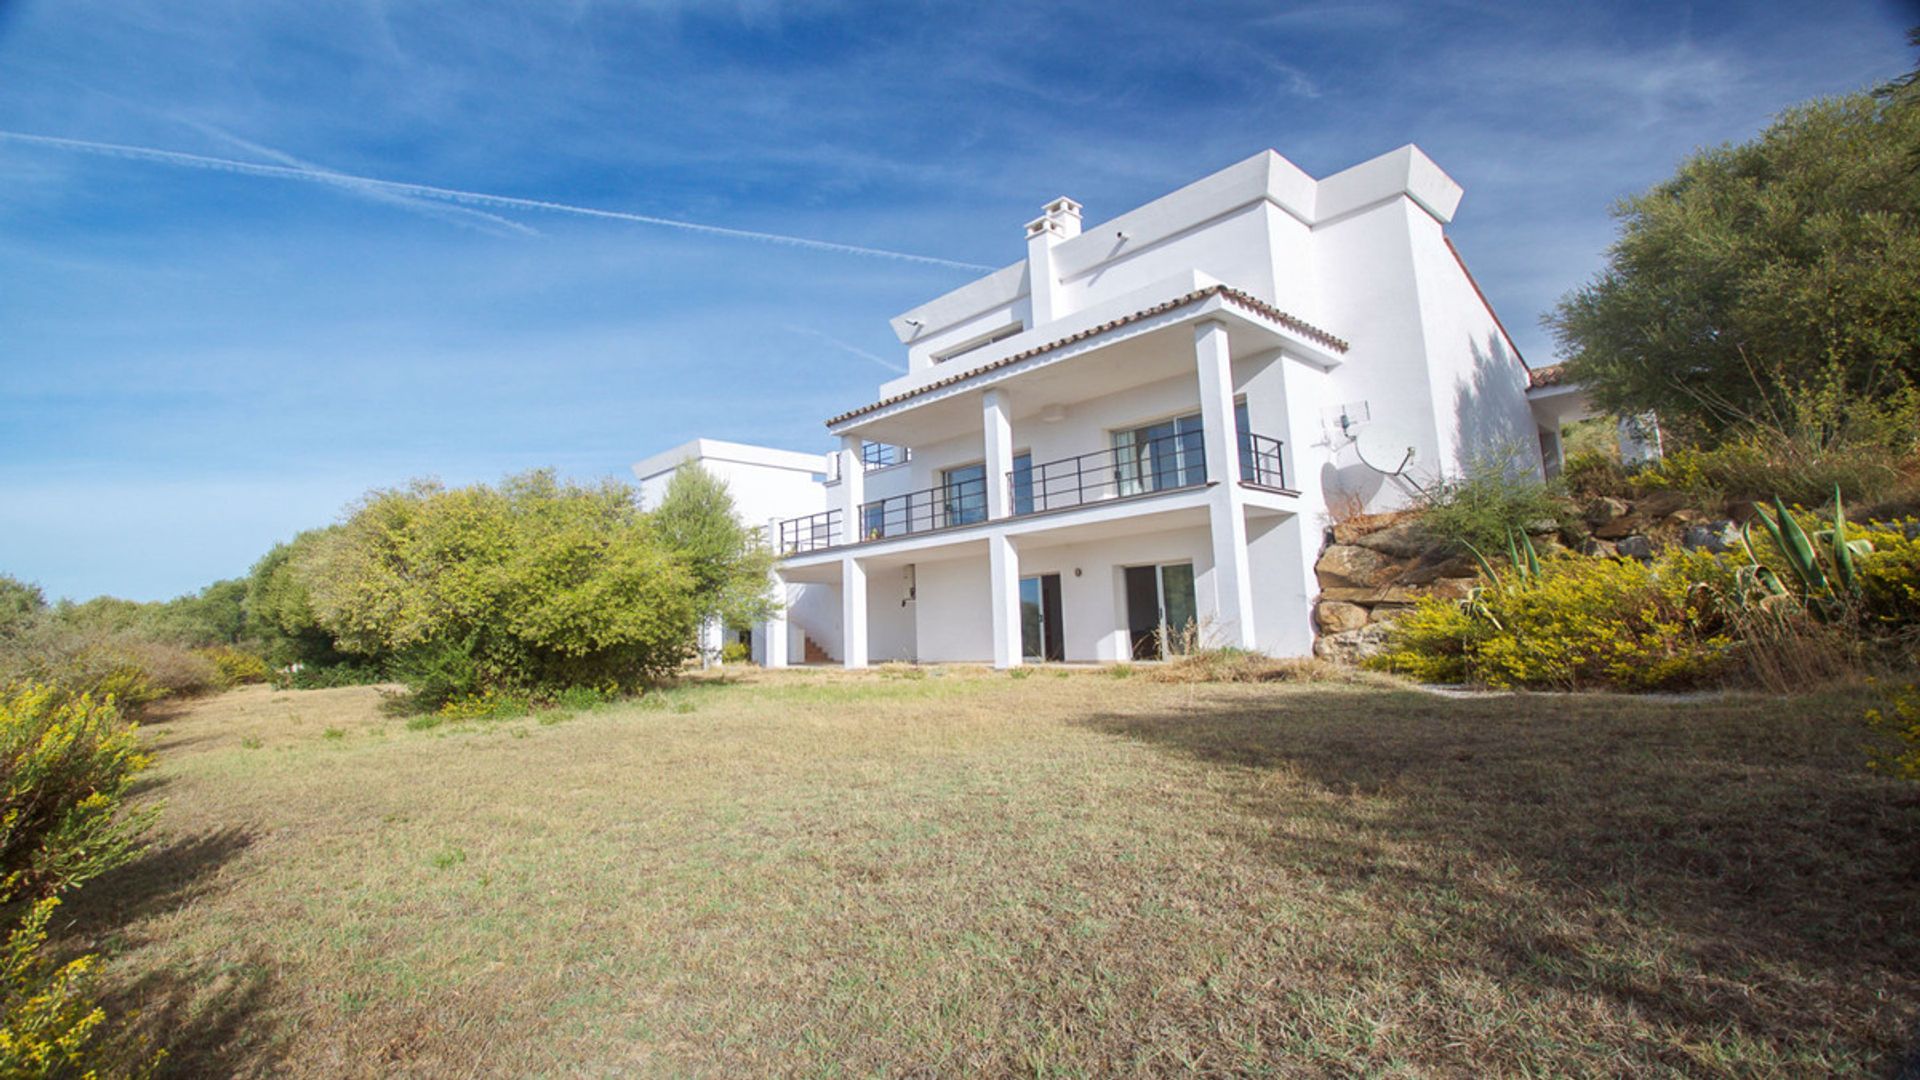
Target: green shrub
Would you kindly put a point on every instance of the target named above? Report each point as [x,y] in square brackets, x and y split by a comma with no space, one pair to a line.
[279,608]
[1581,624]
[583,698]
[66,763]
[1590,474]
[22,604]
[1491,501]
[1890,580]
[1899,721]
[329,676]
[489,704]
[527,587]
[735,652]
[130,669]
[236,667]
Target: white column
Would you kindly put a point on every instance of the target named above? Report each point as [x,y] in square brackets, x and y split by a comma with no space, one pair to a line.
[853,612]
[996,414]
[1226,512]
[1003,588]
[1215,364]
[776,628]
[853,489]
[1307,447]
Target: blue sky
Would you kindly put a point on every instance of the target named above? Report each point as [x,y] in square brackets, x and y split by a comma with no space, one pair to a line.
[196,361]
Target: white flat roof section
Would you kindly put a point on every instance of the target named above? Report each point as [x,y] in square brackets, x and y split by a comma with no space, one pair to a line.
[719,450]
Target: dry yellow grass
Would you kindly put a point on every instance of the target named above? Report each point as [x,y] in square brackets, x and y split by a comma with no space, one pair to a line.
[1067,873]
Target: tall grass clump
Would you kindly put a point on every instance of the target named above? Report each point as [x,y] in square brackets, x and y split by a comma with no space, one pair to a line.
[1493,499]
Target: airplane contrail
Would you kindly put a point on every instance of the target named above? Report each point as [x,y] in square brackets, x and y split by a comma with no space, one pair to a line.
[494,223]
[897,369]
[453,195]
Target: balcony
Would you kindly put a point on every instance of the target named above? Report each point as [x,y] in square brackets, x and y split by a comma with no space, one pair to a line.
[814,532]
[952,504]
[1167,463]
[1148,467]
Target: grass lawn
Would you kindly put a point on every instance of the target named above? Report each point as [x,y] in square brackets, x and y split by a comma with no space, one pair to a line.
[1068,873]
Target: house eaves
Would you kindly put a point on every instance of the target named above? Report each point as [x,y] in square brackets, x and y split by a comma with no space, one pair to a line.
[1226,293]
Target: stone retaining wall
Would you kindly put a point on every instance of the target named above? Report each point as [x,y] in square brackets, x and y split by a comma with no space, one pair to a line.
[1374,567]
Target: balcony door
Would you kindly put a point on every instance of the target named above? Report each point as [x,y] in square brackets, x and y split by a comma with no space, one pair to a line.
[964,494]
[1041,635]
[1157,457]
[1162,617]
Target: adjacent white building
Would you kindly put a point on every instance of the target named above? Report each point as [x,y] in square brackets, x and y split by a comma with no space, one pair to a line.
[1137,435]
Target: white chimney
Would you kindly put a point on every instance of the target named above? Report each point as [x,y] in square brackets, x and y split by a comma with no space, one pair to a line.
[1059,221]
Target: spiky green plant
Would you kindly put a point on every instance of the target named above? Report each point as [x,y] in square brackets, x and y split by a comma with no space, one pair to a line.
[1824,566]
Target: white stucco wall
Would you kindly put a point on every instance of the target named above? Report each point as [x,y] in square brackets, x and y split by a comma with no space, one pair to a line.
[1361,254]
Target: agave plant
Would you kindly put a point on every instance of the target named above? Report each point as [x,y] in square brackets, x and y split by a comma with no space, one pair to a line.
[1824,566]
[1525,562]
[1520,555]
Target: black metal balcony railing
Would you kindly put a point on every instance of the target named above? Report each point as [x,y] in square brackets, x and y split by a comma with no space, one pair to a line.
[1163,464]
[810,533]
[956,502]
[1260,463]
[1167,463]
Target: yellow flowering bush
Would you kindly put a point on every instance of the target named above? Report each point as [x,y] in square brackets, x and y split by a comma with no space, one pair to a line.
[1890,579]
[1900,721]
[67,763]
[236,667]
[1581,624]
[48,1020]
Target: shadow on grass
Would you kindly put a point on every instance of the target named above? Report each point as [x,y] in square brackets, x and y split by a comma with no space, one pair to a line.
[1712,863]
[172,874]
[200,1013]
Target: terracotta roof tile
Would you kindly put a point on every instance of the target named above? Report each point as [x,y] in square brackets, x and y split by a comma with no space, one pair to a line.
[1225,292]
[1554,375]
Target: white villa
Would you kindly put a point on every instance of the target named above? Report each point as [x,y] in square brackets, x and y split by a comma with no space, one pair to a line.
[1145,426]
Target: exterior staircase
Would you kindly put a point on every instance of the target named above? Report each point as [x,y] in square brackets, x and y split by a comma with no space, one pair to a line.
[813,653]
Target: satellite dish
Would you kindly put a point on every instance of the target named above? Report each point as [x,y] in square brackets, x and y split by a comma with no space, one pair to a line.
[1383,450]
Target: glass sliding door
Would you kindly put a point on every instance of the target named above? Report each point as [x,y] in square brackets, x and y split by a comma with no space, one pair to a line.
[964,494]
[1041,636]
[1157,457]
[1181,621]
[1162,617]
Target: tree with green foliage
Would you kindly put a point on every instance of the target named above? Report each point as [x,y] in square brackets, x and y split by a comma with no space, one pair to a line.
[21,605]
[533,585]
[278,605]
[1775,283]
[730,563]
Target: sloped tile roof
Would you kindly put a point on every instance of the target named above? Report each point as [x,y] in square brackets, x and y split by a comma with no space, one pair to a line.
[1553,375]
[1232,295]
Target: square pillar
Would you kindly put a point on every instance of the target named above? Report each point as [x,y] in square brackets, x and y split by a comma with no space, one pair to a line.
[1214,363]
[853,612]
[853,489]
[1226,509]
[997,420]
[1003,590]
[775,631]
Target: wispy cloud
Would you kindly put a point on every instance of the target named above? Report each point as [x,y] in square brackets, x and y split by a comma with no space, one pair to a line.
[459,197]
